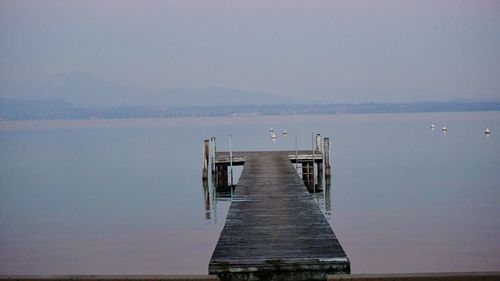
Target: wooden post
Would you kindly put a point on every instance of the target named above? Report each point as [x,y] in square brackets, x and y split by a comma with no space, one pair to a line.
[319,176]
[328,199]
[206,154]
[326,160]
[231,159]
[213,150]
[318,142]
[311,176]
[320,173]
[305,172]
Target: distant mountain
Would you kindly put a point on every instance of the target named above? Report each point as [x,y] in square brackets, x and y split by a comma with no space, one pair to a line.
[80,95]
[85,90]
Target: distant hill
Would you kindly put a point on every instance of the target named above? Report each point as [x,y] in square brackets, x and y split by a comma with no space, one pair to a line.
[85,90]
[80,95]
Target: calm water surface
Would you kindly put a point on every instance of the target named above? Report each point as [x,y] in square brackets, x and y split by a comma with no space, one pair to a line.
[126,196]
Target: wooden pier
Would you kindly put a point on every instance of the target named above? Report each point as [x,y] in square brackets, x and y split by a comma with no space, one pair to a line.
[274,229]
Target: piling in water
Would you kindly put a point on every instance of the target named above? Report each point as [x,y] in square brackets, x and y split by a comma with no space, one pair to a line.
[206,157]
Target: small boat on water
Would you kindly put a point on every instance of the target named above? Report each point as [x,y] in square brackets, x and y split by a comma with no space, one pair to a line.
[445,129]
[271,130]
[487,131]
[433,126]
[285,132]
[273,135]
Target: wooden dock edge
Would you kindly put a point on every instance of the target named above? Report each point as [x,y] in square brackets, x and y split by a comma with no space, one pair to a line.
[445,276]
[280,270]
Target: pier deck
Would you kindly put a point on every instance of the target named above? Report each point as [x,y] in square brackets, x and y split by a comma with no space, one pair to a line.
[274,228]
[240,156]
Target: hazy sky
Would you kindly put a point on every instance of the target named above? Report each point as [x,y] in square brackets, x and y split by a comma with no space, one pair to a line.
[341,51]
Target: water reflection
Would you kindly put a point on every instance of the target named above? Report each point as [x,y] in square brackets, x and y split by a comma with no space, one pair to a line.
[208,198]
[321,190]
[216,189]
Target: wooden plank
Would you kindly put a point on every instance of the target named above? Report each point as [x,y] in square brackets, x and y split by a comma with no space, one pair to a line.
[274,228]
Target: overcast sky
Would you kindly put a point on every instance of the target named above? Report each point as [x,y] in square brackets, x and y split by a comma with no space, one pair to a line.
[340,51]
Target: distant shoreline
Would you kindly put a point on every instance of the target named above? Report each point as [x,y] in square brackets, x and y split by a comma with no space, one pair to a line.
[58,110]
[172,122]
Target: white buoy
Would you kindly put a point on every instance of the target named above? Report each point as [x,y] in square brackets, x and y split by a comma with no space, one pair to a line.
[487,131]
[444,129]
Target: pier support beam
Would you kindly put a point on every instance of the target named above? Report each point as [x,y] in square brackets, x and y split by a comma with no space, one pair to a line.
[307,173]
[221,171]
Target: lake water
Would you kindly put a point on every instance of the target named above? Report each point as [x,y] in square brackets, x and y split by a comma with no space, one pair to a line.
[126,196]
